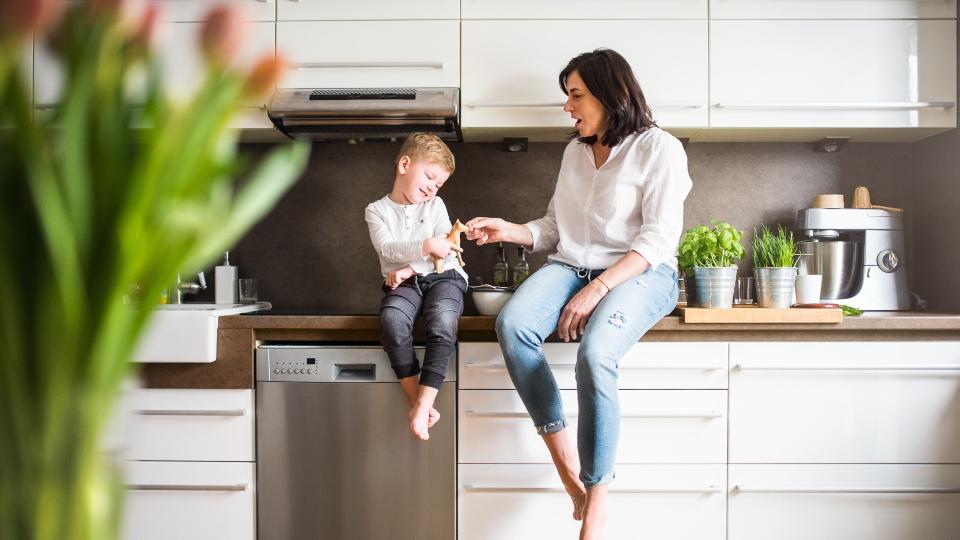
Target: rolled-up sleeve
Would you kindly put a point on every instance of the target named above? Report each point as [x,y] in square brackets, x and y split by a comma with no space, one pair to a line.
[544,230]
[662,206]
[409,251]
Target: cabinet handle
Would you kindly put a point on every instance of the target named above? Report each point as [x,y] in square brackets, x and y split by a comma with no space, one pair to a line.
[850,489]
[704,367]
[560,104]
[187,487]
[191,412]
[741,367]
[474,488]
[325,65]
[837,106]
[514,414]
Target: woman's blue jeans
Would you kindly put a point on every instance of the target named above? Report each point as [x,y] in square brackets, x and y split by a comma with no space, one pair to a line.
[617,323]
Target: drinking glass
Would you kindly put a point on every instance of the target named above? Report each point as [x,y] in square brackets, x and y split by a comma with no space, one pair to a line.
[248,291]
[743,293]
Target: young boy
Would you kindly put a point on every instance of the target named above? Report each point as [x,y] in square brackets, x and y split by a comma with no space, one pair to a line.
[408,228]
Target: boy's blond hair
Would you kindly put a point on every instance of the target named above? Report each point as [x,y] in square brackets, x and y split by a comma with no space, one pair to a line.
[429,147]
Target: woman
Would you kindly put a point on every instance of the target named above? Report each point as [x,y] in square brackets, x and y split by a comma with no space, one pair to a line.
[613,223]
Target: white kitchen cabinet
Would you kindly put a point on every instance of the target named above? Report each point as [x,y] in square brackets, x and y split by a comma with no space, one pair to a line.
[522,502]
[196,10]
[656,426]
[325,10]
[833,9]
[844,502]
[189,501]
[178,52]
[845,402]
[647,365]
[843,73]
[376,54]
[511,68]
[584,9]
[192,425]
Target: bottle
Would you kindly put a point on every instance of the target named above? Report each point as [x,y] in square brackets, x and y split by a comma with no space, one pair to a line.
[501,270]
[225,279]
[522,269]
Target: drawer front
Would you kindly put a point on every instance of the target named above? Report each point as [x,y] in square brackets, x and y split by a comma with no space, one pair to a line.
[189,501]
[324,10]
[647,365]
[381,54]
[605,9]
[850,402]
[196,10]
[657,426]
[844,502]
[192,425]
[833,9]
[522,502]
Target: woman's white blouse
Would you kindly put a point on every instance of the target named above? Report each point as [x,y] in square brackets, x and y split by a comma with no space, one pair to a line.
[633,202]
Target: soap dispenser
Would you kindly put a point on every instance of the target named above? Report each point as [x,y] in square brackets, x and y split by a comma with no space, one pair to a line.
[225,280]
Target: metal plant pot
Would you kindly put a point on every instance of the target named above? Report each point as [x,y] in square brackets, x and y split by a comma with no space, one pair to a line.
[715,286]
[775,286]
[690,286]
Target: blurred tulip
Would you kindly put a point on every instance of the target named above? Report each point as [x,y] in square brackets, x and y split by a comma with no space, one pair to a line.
[264,76]
[145,29]
[111,7]
[21,18]
[222,34]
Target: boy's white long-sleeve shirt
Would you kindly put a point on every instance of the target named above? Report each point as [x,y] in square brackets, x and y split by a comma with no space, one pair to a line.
[633,202]
[397,232]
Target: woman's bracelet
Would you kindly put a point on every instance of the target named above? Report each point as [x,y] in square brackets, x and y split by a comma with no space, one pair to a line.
[602,283]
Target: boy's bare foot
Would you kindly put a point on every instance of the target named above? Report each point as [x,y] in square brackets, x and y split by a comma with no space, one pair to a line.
[434,417]
[419,422]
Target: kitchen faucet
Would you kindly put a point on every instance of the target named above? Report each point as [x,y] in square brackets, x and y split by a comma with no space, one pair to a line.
[187,287]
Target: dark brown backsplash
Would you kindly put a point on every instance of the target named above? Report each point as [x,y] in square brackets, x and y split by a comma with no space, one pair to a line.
[312,254]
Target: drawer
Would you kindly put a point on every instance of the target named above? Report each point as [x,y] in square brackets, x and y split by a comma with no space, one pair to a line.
[324,10]
[192,425]
[844,502]
[849,402]
[656,426]
[189,501]
[381,54]
[520,502]
[653,365]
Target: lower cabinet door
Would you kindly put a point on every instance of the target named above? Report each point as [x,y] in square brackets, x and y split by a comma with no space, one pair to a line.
[189,500]
[844,502]
[524,502]
[656,426]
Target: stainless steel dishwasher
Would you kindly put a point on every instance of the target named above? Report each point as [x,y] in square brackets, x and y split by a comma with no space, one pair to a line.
[335,459]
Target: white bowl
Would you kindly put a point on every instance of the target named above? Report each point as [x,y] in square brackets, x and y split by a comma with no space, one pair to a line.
[490,302]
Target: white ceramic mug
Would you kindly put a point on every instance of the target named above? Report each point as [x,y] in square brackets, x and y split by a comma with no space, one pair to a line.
[808,288]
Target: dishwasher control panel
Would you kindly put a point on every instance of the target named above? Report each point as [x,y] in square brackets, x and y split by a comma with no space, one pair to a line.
[311,363]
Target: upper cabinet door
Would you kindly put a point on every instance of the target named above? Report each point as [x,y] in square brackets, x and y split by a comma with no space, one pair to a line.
[325,10]
[833,9]
[511,68]
[584,9]
[374,54]
[196,10]
[853,74]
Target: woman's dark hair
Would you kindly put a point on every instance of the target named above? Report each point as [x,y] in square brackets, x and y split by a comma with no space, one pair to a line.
[610,79]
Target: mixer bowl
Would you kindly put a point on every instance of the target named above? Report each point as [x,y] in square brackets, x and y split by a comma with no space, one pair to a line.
[837,261]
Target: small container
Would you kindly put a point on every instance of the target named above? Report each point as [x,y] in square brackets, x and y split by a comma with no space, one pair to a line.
[225,280]
[501,270]
[521,270]
[248,291]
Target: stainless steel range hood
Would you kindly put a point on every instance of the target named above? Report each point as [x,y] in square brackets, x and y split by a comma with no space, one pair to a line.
[366,113]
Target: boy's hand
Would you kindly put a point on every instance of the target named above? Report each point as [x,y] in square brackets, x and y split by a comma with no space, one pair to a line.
[395,278]
[439,246]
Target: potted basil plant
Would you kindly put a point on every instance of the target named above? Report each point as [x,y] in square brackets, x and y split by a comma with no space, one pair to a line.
[773,267]
[711,253]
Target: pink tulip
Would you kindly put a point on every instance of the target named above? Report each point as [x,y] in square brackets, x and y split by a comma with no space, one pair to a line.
[222,34]
[110,7]
[21,18]
[265,75]
[145,29]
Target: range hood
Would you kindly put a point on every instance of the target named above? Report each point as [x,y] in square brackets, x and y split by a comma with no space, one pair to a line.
[366,113]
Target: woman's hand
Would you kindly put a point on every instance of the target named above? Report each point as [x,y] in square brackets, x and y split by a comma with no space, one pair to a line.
[486,230]
[439,246]
[576,313]
[395,278]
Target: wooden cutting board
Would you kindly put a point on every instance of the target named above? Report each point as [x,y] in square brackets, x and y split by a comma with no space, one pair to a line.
[758,315]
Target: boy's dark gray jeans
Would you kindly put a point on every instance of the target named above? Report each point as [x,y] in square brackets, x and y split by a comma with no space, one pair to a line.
[439,297]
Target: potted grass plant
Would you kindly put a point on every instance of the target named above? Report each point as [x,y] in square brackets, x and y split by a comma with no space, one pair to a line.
[774,268]
[711,253]
[107,191]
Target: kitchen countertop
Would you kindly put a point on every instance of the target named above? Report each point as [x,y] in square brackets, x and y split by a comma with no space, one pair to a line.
[238,336]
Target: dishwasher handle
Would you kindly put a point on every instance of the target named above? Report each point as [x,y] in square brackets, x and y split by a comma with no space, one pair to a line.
[355,372]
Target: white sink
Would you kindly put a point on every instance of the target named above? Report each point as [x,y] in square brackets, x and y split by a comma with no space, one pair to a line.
[186,333]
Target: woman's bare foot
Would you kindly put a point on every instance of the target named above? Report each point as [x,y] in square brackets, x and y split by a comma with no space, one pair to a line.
[594,513]
[579,501]
[434,417]
[419,422]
